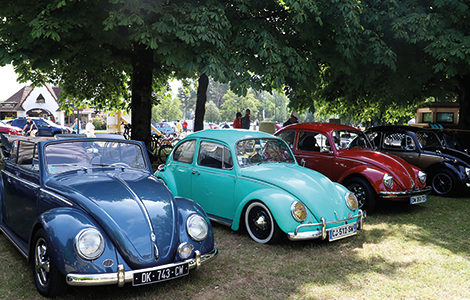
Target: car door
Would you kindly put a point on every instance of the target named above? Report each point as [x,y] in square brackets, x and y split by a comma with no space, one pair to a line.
[21,183]
[314,152]
[182,167]
[402,145]
[213,181]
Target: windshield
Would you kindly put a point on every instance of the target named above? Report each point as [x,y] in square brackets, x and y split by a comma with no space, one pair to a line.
[428,139]
[349,138]
[257,151]
[40,122]
[74,155]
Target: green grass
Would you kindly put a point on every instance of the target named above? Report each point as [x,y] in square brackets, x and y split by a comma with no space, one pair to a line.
[403,252]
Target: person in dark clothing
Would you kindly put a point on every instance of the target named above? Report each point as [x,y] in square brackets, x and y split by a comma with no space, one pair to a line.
[294,118]
[237,123]
[246,120]
[29,127]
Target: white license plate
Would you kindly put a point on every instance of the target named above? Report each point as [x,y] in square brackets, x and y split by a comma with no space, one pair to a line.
[418,199]
[162,274]
[342,231]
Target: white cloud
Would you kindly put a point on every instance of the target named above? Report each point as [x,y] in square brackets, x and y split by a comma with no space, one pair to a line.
[8,83]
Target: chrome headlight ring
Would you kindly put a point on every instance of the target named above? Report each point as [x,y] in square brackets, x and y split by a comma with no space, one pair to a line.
[422,176]
[197,227]
[298,211]
[388,180]
[89,243]
[351,201]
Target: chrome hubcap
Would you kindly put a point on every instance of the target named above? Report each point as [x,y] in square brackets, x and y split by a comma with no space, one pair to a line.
[261,223]
[442,183]
[42,262]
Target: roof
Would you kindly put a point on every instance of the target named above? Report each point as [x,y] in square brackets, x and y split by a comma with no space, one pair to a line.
[320,127]
[397,128]
[19,97]
[230,136]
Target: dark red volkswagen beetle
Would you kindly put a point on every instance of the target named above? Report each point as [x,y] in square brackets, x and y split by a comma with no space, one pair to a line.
[345,155]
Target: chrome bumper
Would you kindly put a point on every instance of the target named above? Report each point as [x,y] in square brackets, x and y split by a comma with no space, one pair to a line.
[404,194]
[121,276]
[297,236]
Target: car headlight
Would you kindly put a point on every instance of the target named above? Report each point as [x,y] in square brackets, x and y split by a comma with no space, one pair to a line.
[351,201]
[388,180]
[422,176]
[197,227]
[89,243]
[184,250]
[299,211]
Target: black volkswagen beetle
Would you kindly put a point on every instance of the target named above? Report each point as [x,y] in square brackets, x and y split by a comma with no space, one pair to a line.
[448,169]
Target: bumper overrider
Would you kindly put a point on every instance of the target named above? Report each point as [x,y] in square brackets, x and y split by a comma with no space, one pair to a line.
[121,276]
[404,194]
[297,236]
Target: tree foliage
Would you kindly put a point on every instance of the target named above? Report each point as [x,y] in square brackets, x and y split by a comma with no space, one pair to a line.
[169,109]
[234,103]
[212,112]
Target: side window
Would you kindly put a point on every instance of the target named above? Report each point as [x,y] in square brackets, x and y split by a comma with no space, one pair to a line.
[215,156]
[27,156]
[288,136]
[398,142]
[185,152]
[313,141]
[374,137]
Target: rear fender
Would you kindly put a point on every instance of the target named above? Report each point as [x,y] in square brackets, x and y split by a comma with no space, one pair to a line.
[62,226]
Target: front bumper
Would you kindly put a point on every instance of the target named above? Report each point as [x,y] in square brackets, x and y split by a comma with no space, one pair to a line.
[121,276]
[405,194]
[307,235]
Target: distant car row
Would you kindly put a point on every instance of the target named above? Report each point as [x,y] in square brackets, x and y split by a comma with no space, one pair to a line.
[44,127]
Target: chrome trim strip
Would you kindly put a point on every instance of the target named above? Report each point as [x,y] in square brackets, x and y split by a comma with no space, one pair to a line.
[56,196]
[33,185]
[121,276]
[14,244]
[408,193]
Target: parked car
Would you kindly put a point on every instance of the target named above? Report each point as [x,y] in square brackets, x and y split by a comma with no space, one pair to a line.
[458,139]
[8,129]
[44,128]
[345,155]
[251,179]
[448,169]
[165,128]
[89,212]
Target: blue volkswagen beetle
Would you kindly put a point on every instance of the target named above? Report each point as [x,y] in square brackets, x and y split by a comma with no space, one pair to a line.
[90,212]
[251,179]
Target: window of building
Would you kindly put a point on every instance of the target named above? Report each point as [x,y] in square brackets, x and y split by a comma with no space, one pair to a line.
[427,117]
[40,99]
[445,117]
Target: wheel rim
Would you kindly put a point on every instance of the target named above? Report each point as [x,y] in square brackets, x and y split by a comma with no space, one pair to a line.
[360,192]
[41,262]
[259,223]
[442,183]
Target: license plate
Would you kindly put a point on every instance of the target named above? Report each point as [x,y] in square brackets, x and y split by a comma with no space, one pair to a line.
[342,231]
[159,275]
[418,199]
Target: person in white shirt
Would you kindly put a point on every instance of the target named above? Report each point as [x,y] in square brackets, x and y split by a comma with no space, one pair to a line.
[90,129]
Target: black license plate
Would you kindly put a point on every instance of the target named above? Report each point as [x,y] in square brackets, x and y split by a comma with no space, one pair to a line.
[159,275]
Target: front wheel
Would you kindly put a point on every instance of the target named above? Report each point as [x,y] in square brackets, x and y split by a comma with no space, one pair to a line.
[260,224]
[49,281]
[443,182]
[364,193]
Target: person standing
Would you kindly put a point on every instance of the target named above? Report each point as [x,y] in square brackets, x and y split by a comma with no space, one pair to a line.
[237,123]
[29,127]
[185,126]
[294,118]
[90,129]
[246,120]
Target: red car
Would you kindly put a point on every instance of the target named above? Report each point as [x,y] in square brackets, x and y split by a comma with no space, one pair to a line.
[345,155]
[8,129]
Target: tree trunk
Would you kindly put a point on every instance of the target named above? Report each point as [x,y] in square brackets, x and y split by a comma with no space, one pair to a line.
[203,82]
[464,102]
[141,86]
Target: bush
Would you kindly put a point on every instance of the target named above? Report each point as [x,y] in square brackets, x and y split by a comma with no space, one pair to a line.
[100,123]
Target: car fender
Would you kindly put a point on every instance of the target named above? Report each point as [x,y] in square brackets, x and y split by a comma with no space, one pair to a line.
[373,175]
[62,226]
[278,202]
[449,165]
[186,208]
[168,179]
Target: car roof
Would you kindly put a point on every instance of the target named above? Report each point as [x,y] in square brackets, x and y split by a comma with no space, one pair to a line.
[397,128]
[320,127]
[230,136]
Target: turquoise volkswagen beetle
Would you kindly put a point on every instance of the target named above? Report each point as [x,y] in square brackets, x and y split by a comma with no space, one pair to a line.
[251,179]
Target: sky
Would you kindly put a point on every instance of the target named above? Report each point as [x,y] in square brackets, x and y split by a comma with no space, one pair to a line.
[8,83]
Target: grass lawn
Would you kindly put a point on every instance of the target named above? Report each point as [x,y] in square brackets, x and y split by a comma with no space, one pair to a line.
[403,252]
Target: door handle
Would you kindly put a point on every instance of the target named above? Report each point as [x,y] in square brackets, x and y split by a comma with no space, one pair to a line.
[195,172]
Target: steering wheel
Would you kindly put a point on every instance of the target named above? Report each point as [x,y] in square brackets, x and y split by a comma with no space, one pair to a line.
[120,164]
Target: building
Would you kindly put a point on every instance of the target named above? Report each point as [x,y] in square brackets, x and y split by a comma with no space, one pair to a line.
[39,102]
[445,114]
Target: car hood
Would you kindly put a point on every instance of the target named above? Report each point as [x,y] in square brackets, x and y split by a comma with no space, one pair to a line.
[120,201]
[402,172]
[450,154]
[316,191]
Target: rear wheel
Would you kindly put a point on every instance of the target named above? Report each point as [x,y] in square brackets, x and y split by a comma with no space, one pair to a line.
[443,182]
[260,224]
[49,281]
[363,191]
